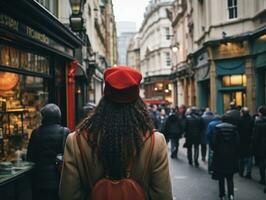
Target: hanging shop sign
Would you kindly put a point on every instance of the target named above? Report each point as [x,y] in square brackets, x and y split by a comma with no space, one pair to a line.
[15,25]
[230,50]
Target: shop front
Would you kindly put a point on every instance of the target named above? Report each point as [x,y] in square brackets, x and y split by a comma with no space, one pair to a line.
[231,83]
[36,65]
[259,55]
[158,88]
[202,76]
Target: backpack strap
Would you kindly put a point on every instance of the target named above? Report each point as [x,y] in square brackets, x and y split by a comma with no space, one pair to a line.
[82,155]
[148,160]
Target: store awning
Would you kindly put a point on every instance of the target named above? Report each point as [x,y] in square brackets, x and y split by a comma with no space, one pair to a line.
[232,67]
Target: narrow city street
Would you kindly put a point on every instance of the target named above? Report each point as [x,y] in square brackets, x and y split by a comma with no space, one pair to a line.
[190,183]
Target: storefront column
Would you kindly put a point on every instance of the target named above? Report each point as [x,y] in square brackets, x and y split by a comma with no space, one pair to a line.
[250,88]
[175,93]
[190,92]
[186,91]
[71,95]
[213,91]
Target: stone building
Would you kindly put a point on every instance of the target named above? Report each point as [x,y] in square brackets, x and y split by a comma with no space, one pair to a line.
[99,49]
[155,53]
[220,48]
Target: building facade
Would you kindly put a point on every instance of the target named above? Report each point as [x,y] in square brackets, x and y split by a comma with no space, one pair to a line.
[99,49]
[155,52]
[223,52]
[101,30]
[133,56]
[37,58]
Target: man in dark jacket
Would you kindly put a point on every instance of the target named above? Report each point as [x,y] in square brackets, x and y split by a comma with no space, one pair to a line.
[173,131]
[193,132]
[46,142]
[260,142]
[245,129]
[225,159]
[234,113]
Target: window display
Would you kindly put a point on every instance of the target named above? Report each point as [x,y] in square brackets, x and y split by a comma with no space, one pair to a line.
[20,100]
[16,58]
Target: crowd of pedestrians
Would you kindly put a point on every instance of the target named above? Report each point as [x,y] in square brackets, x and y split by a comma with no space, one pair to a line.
[231,143]
[115,152]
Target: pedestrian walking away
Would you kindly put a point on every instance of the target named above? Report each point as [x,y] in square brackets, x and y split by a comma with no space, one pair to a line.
[116,154]
[193,133]
[210,131]
[207,118]
[245,129]
[174,128]
[224,144]
[260,142]
[46,142]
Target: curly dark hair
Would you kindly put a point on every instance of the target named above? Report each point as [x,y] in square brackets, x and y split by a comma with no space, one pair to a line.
[116,131]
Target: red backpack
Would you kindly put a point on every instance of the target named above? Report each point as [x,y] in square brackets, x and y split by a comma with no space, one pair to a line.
[123,189]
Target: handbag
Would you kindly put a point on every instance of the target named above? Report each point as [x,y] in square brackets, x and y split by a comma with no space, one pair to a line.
[59,160]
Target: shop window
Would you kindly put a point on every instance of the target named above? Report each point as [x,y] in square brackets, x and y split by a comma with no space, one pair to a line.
[21,98]
[158,87]
[232,8]
[234,80]
[16,58]
[239,97]
[51,5]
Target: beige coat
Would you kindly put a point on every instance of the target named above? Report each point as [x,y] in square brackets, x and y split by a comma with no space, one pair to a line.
[74,180]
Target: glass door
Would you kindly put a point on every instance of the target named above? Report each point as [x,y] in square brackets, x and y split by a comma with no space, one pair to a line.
[239,97]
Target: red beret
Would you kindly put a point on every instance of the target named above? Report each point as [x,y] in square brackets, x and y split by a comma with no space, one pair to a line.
[122,84]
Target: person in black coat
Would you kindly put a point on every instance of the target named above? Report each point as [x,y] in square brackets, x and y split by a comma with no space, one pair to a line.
[260,142]
[193,133]
[245,129]
[234,113]
[174,128]
[46,142]
[225,144]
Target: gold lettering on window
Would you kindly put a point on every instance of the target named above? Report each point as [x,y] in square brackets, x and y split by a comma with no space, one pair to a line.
[9,22]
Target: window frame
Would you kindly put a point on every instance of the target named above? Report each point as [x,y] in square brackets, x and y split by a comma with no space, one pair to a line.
[168,59]
[232,6]
[167,33]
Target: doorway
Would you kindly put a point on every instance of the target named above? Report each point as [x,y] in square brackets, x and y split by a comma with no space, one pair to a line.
[239,97]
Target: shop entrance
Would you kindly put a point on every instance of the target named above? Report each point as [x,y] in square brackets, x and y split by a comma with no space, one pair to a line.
[204,93]
[239,97]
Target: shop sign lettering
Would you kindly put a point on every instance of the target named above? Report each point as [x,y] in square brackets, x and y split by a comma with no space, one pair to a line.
[9,22]
[19,27]
[37,36]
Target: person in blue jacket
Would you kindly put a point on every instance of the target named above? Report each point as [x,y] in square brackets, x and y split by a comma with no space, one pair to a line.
[210,131]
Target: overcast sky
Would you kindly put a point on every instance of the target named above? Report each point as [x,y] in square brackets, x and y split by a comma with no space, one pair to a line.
[130,10]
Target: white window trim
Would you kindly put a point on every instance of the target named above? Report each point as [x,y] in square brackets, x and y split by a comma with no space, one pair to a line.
[232,7]
[168,61]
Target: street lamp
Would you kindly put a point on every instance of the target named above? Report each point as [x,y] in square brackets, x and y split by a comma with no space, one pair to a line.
[76,6]
[175,47]
[76,20]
